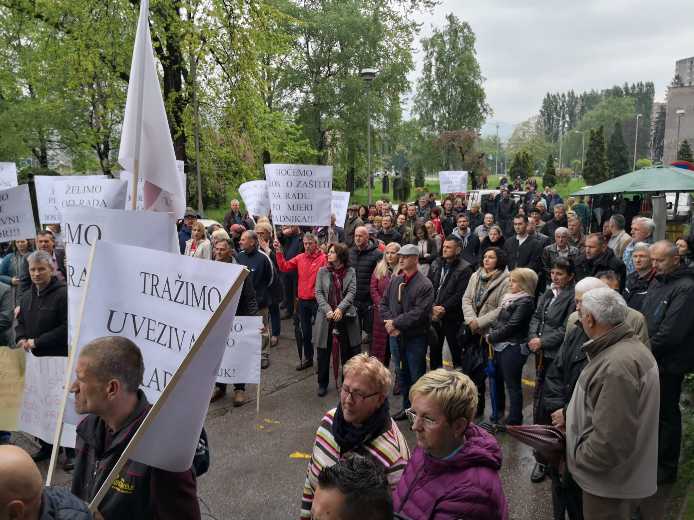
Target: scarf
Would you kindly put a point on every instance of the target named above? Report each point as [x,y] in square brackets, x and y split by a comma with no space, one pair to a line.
[509,298]
[349,436]
[335,291]
[484,280]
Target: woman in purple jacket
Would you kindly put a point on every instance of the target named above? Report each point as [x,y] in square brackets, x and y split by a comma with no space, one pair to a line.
[454,471]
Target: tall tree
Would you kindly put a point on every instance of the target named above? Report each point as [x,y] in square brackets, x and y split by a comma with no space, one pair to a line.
[596,169]
[658,140]
[450,94]
[617,154]
[685,152]
[550,176]
[521,165]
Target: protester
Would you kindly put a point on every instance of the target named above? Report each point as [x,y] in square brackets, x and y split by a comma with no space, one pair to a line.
[494,238]
[380,279]
[388,234]
[642,229]
[597,257]
[559,220]
[475,217]
[109,373]
[292,245]
[306,265]
[360,424]
[482,230]
[234,216]
[505,212]
[45,242]
[559,249]
[541,207]
[185,233]
[508,335]
[454,470]
[639,281]
[619,239]
[576,237]
[547,330]
[363,257]
[449,276]
[332,234]
[336,329]
[481,303]
[521,249]
[436,237]
[611,449]
[12,268]
[448,218]
[264,232]
[668,311]
[469,242]
[406,311]
[198,245]
[423,209]
[23,495]
[685,248]
[352,223]
[427,247]
[355,488]
[534,233]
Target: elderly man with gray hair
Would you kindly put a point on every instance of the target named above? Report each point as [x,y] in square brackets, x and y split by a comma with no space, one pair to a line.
[642,229]
[611,441]
[559,249]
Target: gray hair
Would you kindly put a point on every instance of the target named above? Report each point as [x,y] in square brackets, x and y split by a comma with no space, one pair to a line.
[606,306]
[561,231]
[558,206]
[669,248]
[642,246]
[40,257]
[588,284]
[648,222]
[310,236]
[489,214]
[542,203]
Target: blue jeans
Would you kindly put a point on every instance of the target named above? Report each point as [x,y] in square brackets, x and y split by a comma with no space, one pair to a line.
[509,365]
[412,365]
[307,315]
[275,321]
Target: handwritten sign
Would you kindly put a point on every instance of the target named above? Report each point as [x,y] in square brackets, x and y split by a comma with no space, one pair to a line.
[300,194]
[16,216]
[453,181]
[255,197]
[8,175]
[241,362]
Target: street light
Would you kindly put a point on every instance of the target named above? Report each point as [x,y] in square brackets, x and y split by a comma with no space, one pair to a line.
[496,162]
[636,140]
[680,113]
[368,75]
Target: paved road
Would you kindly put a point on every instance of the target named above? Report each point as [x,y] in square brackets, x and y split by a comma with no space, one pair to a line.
[259,460]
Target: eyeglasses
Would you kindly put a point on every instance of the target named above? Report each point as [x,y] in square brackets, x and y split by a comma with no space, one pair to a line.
[356,395]
[412,417]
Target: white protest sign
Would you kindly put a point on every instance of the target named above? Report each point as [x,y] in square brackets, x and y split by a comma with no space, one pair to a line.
[255,197]
[44,378]
[453,181]
[241,362]
[16,216]
[339,206]
[8,175]
[300,194]
[55,193]
[163,203]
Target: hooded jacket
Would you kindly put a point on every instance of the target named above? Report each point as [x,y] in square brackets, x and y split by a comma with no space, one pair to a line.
[364,261]
[668,312]
[43,317]
[467,485]
[611,426]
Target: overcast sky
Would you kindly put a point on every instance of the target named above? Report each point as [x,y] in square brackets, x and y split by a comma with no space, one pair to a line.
[528,47]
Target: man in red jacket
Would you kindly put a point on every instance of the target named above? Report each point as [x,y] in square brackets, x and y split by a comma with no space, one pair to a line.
[306,265]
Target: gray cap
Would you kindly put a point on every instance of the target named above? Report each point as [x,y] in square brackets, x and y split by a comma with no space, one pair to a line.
[409,250]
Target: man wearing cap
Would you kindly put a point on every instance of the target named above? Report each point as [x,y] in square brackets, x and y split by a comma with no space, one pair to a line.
[353,222]
[406,311]
[184,233]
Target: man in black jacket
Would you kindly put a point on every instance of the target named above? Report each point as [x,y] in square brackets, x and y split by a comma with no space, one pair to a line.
[363,258]
[505,211]
[109,373]
[598,257]
[388,234]
[558,221]
[46,242]
[449,275]
[668,311]
[523,250]
[469,242]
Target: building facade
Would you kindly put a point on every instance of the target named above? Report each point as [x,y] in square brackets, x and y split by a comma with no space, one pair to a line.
[679,123]
[685,70]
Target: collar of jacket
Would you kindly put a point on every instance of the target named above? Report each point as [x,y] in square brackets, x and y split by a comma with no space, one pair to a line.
[594,346]
[680,272]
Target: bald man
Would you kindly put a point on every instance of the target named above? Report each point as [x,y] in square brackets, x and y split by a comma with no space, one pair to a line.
[23,497]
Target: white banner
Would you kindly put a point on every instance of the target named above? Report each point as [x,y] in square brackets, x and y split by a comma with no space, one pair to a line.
[8,175]
[453,181]
[163,202]
[300,194]
[56,193]
[16,216]
[43,383]
[339,207]
[241,362]
[255,197]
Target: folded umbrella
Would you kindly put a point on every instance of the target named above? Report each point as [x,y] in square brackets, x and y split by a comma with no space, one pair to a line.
[490,372]
[548,442]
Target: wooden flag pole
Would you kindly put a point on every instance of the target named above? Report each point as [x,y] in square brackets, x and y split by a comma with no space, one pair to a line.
[68,373]
[156,407]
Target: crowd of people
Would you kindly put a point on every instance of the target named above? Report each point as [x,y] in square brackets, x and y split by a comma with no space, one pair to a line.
[603,314]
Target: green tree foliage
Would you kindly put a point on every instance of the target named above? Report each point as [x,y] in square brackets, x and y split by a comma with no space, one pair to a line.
[609,111]
[658,139]
[521,165]
[617,155]
[596,169]
[643,163]
[685,152]
[549,178]
[450,95]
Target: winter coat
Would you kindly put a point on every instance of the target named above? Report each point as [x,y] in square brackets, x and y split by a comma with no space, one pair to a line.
[140,492]
[513,321]
[43,318]
[553,225]
[505,211]
[350,320]
[618,243]
[59,256]
[262,274]
[307,267]
[636,288]
[465,486]
[635,320]
[6,315]
[184,235]
[471,246]
[14,266]
[448,222]
[412,315]
[450,293]
[485,244]
[607,261]
[364,261]
[488,310]
[388,237]
[528,254]
[668,311]
[350,225]
[611,425]
[59,504]
[379,336]
[551,253]
[203,249]
[549,321]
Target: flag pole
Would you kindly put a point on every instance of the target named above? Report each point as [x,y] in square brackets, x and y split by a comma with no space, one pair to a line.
[144,11]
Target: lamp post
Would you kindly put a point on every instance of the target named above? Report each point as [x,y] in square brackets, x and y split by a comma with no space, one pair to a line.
[496,161]
[636,140]
[680,113]
[368,75]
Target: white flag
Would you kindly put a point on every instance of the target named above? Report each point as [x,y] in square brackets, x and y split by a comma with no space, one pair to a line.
[145,136]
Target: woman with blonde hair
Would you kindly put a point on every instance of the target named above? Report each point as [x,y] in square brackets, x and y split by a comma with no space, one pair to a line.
[198,245]
[509,337]
[454,470]
[380,278]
